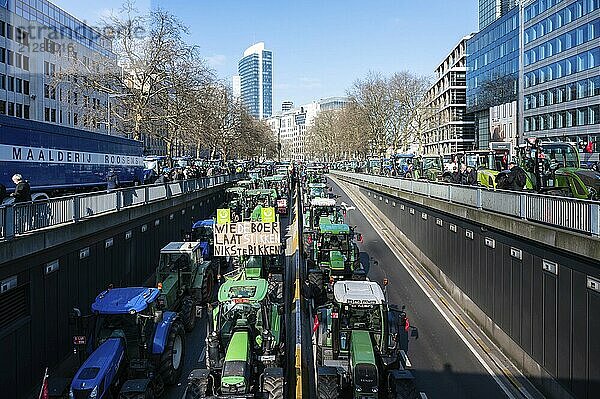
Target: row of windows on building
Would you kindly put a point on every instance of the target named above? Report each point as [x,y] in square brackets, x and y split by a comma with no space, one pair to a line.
[584,88]
[14,109]
[577,63]
[53,115]
[9,57]
[509,46]
[11,32]
[538,7]
[582,116]
[493,35]
[11,83]
[564,42]
[560,18]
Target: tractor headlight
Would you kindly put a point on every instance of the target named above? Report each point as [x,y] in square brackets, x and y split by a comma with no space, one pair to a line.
[374,389]
[359,389]
[94,393]
[71,396]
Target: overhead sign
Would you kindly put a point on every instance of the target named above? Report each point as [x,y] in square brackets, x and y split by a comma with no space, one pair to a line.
[223,216]
[247,238]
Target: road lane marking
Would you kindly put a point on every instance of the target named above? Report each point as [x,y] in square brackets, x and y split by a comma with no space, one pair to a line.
[393,247]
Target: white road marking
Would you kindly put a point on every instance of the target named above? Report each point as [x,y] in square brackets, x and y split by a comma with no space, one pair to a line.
[398,255]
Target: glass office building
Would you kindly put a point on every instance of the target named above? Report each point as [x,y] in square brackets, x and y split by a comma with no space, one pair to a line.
[491,10]
[561,72]
[493,73]
[256,80]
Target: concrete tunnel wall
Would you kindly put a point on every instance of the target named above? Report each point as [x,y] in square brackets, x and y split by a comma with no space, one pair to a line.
[547,322]
[119,248]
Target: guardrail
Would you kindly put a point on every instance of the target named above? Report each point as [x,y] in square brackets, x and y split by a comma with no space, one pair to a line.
[18,219]
[567,213]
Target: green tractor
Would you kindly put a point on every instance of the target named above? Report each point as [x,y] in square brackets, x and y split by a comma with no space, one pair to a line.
[186,280]
[488,164]
[429,167]
[235,200]
[281,184]
[258,199]
[333,256]
[362,345]
[555,168]
[244,345]
[315,190]
[320,210]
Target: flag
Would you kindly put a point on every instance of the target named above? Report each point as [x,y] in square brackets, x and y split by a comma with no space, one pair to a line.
[406,325]
[589,148]
[316,324]
[44,390]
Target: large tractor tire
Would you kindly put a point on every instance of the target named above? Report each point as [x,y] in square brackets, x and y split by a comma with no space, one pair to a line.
[208,285]
[404,389]
[171,361]
[188,313]
[197,389]
[273,387]
[316,283]
[327,387]
[138,395]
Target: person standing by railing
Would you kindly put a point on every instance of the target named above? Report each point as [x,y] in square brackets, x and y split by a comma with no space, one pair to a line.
[22,191]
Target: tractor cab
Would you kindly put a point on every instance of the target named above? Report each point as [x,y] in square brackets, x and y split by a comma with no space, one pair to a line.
[335,250]
[428,167]
[321,208]
[258,199]
[178,269]
[281,185]
[235,200]
[555,168]
[402,165]
[361,340]
[202,231]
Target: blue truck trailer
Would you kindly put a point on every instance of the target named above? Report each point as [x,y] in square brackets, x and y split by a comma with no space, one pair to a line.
[58,160]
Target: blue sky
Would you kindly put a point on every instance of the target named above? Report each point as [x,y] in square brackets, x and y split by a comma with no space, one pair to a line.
[319,47]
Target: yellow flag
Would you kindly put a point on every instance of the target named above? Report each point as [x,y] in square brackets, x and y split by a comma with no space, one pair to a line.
[223,216]
[267,215]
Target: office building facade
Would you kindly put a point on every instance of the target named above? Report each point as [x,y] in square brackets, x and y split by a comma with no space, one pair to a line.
[38,40]
[256,80]
[491,10]
[493,80]
[291,125]
[449,129]
[561,70]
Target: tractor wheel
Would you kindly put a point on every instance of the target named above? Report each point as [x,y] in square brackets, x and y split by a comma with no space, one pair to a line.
[188,313]
[171,361]
[208,284]
[273,387]
[404,389]
[316,284]
[327,388]
[196,389]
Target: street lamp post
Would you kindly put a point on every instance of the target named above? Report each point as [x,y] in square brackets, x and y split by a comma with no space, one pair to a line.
[109,107]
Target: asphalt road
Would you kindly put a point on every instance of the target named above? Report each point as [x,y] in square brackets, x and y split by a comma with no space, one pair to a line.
[443,365]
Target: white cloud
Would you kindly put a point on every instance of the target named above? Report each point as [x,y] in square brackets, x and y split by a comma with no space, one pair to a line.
[216,60]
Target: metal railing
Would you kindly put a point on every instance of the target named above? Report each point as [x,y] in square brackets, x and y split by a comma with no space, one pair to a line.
[21,218]
[567,213]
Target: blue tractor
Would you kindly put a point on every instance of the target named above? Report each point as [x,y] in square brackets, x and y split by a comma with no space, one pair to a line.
[133,347]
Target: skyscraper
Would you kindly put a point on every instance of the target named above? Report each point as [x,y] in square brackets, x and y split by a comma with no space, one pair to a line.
[491,10]
[256,77]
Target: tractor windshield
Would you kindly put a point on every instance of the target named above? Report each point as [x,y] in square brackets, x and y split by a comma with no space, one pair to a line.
[335,242]
[363,317]
[171,262]
[432,163]
[317,192]
[561,155]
